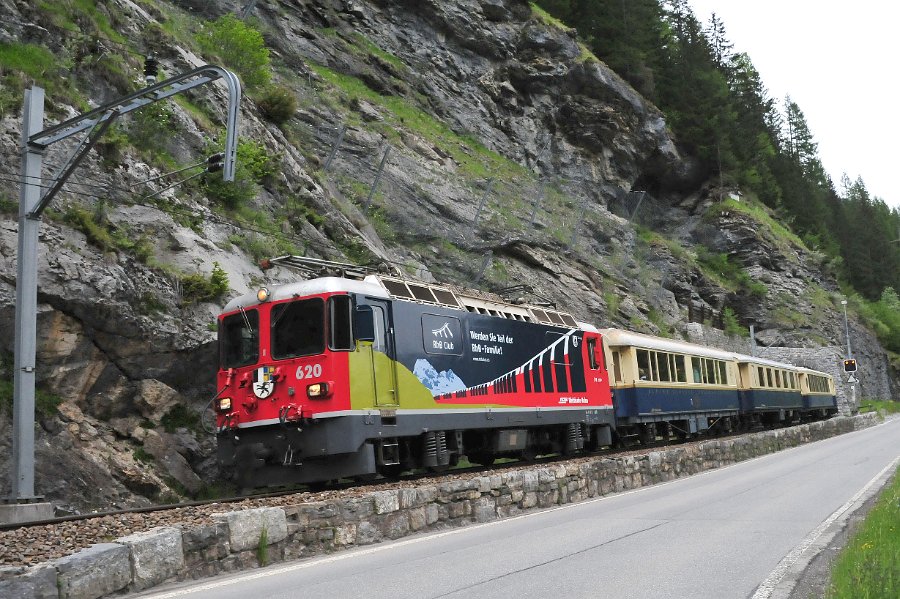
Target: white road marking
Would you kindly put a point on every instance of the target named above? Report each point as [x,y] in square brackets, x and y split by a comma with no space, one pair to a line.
[765,590]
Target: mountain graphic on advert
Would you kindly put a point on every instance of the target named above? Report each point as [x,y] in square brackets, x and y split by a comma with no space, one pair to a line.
[438,383]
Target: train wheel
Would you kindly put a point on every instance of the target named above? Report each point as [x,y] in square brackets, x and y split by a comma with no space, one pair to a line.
[485,459]
[391,470]
[647,434]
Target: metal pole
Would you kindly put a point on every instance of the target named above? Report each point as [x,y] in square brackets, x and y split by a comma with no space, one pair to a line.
[339,139]
[31,204]
[487,191]
[638,207]
[537,202]
[846,329]
[387,151]
[485,263]
[22,468]
[574,238]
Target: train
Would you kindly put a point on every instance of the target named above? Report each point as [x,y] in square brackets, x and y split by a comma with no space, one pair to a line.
[365,375]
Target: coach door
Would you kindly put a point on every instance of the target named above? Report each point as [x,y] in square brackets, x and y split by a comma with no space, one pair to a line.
[383,356]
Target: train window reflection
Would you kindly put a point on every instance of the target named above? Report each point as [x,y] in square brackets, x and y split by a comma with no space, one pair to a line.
[643,362]
[239,339]
[340,336]
[298,328]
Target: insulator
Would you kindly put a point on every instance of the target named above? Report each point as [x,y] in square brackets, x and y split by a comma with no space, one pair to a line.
[215,163]
[151,68]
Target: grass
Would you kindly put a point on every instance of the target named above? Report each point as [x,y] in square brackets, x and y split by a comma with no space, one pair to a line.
[878,405]
[45,404]
[62,14]
[368,46]
[781,234]
[475,160]
[262,548]
[546,18]
[180,416]
[727,274]
[869,567]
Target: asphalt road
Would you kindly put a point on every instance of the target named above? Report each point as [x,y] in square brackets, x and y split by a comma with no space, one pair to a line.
[740,531]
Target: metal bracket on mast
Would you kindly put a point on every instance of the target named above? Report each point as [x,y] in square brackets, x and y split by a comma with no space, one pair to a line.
[99,119]
[32,204]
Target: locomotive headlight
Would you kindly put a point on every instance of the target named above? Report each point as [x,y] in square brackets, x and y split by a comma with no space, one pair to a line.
[317,390]
[224,404]
[263,294]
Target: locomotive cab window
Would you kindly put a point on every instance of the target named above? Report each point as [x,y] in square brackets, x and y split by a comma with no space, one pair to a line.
[239,339]
[298,329]
[592,355]
[340,333]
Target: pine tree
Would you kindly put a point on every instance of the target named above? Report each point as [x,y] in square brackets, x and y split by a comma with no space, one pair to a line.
[721,47]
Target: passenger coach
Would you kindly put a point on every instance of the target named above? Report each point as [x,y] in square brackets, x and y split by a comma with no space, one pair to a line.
[662,386]
[818,392]
[770,391]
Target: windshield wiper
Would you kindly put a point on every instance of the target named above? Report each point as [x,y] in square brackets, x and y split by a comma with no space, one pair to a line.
[246,320]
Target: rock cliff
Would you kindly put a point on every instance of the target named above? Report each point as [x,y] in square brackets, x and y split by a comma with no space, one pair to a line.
[510,156]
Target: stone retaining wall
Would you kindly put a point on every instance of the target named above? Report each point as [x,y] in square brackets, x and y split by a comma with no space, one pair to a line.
[255,537]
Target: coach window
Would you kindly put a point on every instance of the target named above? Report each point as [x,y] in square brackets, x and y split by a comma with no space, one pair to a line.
[696,369]
[340,333]
[680,374]
[643,362]
[617,366]
[239,339]
[662,361]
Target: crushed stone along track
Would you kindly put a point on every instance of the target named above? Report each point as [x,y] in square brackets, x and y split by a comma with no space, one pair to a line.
[34,543]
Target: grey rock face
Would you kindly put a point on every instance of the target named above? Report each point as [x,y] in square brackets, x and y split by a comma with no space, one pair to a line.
[173,463]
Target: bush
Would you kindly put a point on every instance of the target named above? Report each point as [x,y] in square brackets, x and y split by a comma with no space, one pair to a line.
[83,220]
[240,46]
[151,128]
[278,104]
[729,274]
[197,288]
[180,416]
[254,165]
[732,326]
